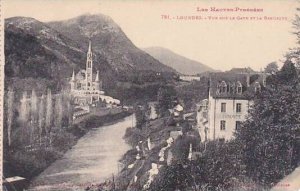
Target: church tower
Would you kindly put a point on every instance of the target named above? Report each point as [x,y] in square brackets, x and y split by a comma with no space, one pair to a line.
[73,82]
[98,83]
[89,68]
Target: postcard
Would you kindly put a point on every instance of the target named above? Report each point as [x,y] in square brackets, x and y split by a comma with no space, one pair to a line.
[147,95]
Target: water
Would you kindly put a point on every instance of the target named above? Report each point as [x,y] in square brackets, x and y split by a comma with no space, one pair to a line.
[92,160]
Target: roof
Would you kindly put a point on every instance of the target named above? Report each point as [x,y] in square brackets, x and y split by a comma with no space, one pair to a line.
[81,75]
[14,179]
[231,83]
[178,108]
[241,70]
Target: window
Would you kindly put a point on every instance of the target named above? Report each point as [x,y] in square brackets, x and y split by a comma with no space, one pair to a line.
[238,108]
[232,88]
[239,88]
[238,125]
[223,87]
[222,125]
[223,107]
[222,140]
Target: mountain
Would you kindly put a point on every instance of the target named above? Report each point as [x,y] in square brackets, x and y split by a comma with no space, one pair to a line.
[109,41]
[178,62]
[34,49]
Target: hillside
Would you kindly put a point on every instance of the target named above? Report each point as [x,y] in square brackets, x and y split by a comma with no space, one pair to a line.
[178,62]
[109,41]
[51,51]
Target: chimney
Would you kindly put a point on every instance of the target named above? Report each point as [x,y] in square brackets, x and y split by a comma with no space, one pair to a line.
[248,79]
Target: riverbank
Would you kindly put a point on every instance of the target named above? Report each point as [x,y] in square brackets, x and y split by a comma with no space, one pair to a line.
[30,163]
[154,146]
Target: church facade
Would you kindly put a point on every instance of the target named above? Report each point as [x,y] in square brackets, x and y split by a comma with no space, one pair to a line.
[86,87]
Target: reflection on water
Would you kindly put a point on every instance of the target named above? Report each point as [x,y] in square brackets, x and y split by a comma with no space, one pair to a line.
[92,160]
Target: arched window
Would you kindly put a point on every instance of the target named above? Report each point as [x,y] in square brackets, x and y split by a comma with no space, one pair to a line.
[257,87]
[239,87]
[223,87]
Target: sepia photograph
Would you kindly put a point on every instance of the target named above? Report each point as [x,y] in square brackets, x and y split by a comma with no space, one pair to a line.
[163,95]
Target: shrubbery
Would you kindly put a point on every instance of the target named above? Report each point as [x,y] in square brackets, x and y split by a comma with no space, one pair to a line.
[266,147]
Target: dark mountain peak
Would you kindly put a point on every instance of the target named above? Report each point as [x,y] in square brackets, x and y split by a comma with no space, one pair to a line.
[109,42]
[52,50]
[93,17]
[21,20]
[89,25]
[25,23]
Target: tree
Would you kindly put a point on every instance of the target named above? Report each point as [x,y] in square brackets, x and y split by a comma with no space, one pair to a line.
[41,116]
[166,96]
[268,138]
[140,115]
[293,54]
[48,112]
[271,68]
[10,113]
[218,168]
[288,73]
[58,111]
[33,114]
[23,110]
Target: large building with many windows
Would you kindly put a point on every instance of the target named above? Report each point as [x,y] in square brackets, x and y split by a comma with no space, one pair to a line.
[230,96]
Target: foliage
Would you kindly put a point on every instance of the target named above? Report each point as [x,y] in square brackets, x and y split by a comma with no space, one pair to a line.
[217,168]
[193,92]
[10,114]
[166,98]
[140,115]
[271,68]
[268,138]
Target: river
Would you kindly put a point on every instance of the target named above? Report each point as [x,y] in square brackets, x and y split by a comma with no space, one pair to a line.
[92,160]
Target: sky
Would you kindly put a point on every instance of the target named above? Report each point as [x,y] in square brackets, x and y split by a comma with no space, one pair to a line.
[220,44]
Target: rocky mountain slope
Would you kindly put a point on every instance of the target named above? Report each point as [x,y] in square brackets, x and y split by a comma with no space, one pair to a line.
[178,62]
[34,49]
[109,41]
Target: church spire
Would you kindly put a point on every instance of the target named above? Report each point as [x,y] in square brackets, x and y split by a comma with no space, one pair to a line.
[97,76]
[89,67]
[90,47]
[73,76]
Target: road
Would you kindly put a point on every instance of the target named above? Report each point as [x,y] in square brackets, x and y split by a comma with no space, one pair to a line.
[289,183]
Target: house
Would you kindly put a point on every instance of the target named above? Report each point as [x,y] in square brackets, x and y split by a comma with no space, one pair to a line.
[177,112]
[230,97]
[189,78]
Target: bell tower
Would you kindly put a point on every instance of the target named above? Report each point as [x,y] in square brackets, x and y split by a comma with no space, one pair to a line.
[73,82]
[89,68]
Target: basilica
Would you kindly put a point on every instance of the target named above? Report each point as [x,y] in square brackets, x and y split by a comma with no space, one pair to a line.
[86,87]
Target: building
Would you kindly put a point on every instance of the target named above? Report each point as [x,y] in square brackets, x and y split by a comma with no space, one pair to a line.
[86,87]
[202,116]
[189,78]
[230,96]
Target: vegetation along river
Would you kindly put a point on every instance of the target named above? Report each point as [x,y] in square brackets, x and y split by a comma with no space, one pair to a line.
[92,160]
